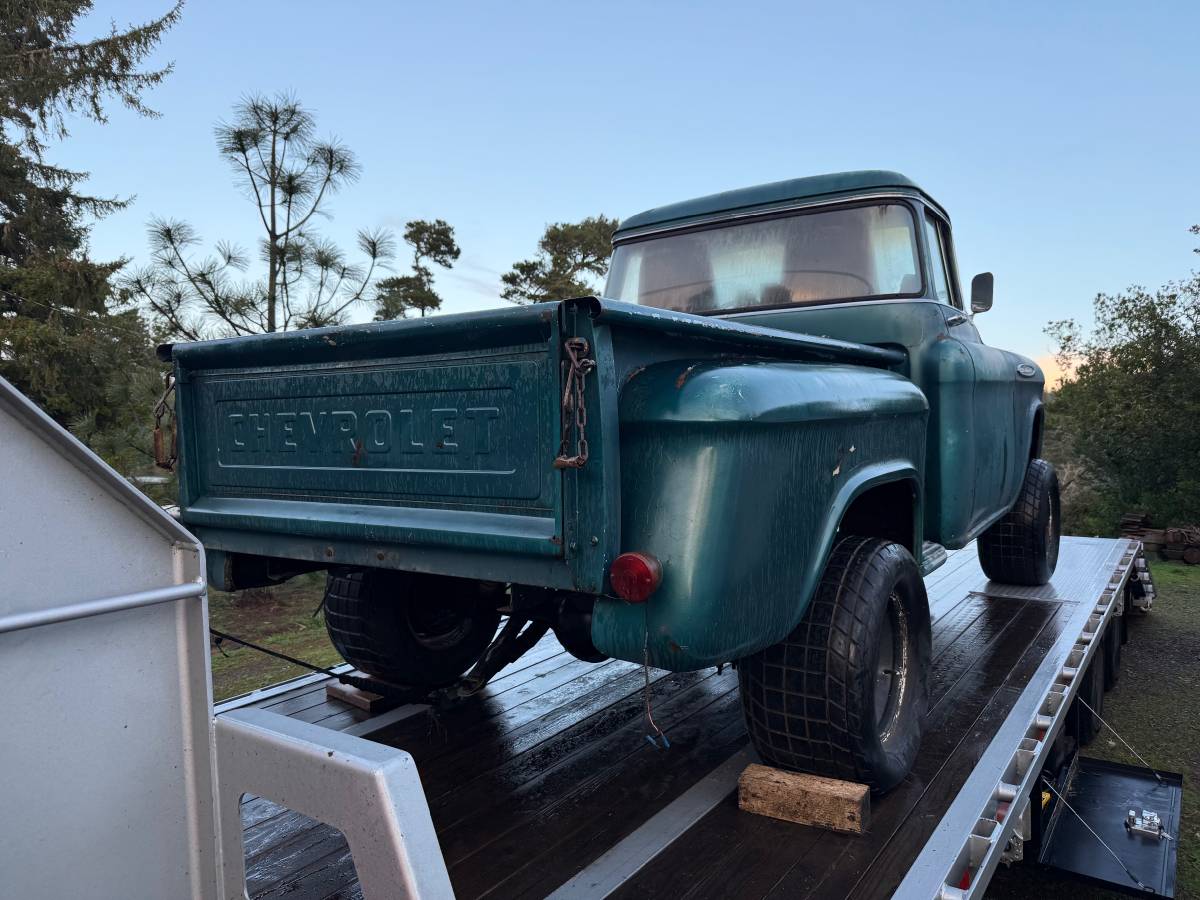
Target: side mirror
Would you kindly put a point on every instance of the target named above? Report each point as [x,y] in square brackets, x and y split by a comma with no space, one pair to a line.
[981,292]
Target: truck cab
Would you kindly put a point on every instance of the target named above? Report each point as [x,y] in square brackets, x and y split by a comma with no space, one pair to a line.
[865,257]
[747,451]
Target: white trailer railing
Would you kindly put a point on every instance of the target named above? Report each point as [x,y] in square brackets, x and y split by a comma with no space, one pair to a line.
[115,778]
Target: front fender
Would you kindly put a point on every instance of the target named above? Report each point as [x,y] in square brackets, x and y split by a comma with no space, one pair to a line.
[735,476]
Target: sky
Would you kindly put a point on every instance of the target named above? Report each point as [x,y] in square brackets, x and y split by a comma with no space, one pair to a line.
[1060,137]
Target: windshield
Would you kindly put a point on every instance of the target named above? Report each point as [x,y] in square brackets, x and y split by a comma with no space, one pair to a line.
[817,257]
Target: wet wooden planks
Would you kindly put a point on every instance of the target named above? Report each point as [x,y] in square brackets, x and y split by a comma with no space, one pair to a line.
[537,778]
[729,853]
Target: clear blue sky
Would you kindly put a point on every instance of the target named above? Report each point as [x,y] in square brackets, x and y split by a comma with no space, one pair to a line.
[1061,137]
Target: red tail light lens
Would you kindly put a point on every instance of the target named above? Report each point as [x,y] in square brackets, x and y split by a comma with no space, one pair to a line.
[635,576]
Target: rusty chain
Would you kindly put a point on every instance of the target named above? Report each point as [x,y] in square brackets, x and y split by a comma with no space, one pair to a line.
[161,458]
[575,368]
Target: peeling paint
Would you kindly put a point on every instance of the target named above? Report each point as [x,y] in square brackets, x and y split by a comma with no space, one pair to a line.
[683,376]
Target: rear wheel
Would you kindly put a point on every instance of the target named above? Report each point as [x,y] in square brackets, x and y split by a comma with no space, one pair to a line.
[408,628]
[1022,548]
[844,694]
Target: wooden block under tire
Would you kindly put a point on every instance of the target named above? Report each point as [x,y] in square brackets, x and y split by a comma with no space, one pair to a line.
[364,700]
[805,799]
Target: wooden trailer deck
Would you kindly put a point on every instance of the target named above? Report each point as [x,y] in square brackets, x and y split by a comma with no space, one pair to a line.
[545,783]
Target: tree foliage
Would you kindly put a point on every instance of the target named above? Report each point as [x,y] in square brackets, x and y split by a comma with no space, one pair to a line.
[432,242]
[571,257]
[1127,416]
[90,369]
[64,340]
[289,174]
[46,74]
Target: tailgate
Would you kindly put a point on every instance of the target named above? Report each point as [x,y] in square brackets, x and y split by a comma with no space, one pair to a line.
[431,433]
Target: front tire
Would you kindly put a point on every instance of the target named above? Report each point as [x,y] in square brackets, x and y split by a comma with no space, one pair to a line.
[1022,548]
[845,693]
[407,628]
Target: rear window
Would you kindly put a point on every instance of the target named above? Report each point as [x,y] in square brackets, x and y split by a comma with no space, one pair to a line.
[852,253]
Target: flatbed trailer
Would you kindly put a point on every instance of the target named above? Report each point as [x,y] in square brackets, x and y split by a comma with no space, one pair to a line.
[545,784]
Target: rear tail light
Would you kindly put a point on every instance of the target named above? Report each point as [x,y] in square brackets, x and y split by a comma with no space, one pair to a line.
[635,576]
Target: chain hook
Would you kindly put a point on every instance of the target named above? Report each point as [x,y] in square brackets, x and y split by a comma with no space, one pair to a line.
[575,368]
[162,458]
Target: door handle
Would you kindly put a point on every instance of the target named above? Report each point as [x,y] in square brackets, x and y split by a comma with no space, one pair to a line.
[951,321]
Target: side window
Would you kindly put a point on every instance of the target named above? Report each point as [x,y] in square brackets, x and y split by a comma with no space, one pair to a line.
[937,255]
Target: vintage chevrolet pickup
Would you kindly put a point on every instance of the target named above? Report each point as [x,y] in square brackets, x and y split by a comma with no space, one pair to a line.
[749,450]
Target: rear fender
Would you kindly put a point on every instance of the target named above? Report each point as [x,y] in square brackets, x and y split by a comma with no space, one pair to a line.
[736,477]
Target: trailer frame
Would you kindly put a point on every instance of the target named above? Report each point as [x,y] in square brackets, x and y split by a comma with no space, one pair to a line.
[985,822]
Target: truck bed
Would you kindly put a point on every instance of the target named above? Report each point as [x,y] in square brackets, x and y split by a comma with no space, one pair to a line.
[546,785]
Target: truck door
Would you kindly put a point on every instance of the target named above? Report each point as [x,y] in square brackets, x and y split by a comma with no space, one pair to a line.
[993,426]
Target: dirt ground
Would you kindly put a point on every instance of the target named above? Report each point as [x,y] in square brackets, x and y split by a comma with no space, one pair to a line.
[281,618]
[1156,708]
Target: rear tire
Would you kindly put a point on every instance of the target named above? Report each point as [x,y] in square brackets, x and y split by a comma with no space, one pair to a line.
[845,693]
[408,628]
[1022,548]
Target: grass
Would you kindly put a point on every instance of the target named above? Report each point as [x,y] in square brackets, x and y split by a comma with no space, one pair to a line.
[280,618]
[1156,707]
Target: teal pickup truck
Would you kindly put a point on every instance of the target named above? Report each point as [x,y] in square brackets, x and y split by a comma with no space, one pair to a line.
[749,450]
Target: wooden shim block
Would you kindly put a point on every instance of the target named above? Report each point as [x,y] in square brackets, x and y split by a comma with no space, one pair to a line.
[364,700]
[805,799]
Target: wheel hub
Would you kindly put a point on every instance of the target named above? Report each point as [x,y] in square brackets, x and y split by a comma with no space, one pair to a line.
[437,627]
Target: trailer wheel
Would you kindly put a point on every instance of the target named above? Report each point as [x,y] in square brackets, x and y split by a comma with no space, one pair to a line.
[1022,548]
[408,628]
[845,693]
[1112,652]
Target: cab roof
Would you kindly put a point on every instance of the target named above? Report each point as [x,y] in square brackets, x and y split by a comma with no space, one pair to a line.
[766,196]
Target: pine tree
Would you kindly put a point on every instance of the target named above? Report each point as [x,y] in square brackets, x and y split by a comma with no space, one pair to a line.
[289,175]
[45,77]
[571,255]
[64,339]
[432,242]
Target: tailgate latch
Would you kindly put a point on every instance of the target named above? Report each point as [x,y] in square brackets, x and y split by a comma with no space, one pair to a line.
[575,369]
